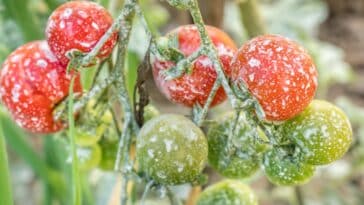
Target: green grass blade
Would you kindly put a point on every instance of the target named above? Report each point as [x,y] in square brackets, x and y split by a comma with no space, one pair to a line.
[5,186]
[15,137]
[76,185]
[25,19]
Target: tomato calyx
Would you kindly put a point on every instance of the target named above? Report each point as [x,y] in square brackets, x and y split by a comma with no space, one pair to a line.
[77,60]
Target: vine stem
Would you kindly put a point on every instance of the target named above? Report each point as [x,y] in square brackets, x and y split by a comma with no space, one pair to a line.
[210,51]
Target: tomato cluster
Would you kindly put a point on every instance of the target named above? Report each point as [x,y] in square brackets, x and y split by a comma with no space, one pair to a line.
[282,77]
[170,149]
[34,77]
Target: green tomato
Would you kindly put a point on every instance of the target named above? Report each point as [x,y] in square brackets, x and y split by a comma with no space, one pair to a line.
[109,150]
[284,169]
[87,136]
[228,192]
[240,160]
[150,112]
[322,131]
[171,149]
[88,157]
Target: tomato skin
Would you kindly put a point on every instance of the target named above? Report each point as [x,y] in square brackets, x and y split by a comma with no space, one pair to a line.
[285,170]
[235,165]
[32,81]
[279,73]
[88,157]
[227,192]
[171,149]
[193,88]
[109,151]
[322,131]
[79,25]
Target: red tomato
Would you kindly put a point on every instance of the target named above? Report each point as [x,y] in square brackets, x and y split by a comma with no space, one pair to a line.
[279,73]
[32,81]
[79,25]
[193,88]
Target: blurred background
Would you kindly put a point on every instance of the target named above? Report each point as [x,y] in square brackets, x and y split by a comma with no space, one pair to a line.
[331,30]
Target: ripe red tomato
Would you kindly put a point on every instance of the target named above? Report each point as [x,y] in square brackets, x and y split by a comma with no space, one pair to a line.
[32,81]
[193,88]
[79,25]
[279,73]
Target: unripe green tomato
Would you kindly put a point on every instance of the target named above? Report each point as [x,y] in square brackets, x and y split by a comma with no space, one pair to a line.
[171,149]
[285,170]
[88,157]
[228,192]
[322,131]
[87,136]
[109,150]
[150,112]
[241,162]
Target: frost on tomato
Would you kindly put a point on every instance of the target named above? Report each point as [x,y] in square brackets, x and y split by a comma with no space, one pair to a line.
[228,192]
[171,149]
[322,131]
[284,169]
[243,158]
[32,82]
[195,87]
[279,73]
[79,25]
[88,157]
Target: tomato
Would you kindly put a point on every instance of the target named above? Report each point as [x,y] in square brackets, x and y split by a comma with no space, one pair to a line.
[322,131]
[109,150]
[193,88]
[285,169]
[150,112]
[279,73]
[32,82]
[228,192]
[87,136]
[171,149]
[240,161]
[79,25]
[88,157]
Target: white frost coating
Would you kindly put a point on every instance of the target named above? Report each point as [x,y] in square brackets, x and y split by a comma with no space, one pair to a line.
[206,62]
[150,153]
[251,77]
[153,139]
[42,63]
[95,26]
[222,50]
[15,93]
[67,13]
[279,49]
[168,144]
[82,14]
[16,58]
[254,62]
[62,25]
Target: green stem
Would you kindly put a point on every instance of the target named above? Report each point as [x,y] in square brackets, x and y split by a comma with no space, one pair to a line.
[6,195]
[251,18]
[209,50]
[76,185]
[199,119]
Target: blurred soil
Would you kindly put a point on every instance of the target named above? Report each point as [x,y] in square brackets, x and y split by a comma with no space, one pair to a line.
[345,28]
